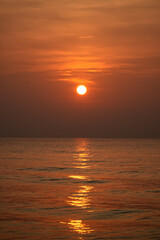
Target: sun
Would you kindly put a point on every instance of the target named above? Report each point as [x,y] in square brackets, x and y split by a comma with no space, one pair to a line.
[81,89]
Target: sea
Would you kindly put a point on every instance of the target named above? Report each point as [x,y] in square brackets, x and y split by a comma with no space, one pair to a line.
[79,189]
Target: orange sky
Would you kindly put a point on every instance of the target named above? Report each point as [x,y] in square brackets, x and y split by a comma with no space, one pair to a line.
[49,47]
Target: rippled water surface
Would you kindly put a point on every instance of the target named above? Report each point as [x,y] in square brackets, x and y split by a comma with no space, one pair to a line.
[79,189]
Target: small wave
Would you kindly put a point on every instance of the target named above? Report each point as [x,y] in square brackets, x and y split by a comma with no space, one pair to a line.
[48,169]
[153,191]
[51,169]
[53,179]
[97,181]
[129,172]
[144,218]
[112,214]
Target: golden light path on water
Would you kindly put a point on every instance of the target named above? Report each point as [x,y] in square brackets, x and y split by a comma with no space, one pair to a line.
[79,226]
[81,197]
[77,177]
[81,160]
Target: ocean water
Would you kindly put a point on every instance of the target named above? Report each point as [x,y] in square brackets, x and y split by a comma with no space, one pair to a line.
[79,189]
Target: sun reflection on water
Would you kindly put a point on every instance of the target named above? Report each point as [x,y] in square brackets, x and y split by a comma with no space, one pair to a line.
[77,177]
[81,160]
[81,197]
[79,226]
[85,189]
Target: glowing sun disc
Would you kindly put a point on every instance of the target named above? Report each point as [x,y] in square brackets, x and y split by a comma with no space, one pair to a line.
[81,89]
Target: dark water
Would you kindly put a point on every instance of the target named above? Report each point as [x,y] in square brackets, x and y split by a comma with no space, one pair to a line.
[80,189]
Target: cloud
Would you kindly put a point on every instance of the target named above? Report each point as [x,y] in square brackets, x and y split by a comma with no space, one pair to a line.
[80,40]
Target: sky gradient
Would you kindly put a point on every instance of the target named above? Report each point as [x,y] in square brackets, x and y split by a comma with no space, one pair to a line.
[48,47]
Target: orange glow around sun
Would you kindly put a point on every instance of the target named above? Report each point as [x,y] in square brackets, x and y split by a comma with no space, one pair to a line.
[81,89]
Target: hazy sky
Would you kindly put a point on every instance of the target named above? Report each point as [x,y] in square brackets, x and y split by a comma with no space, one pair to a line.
[48,47]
